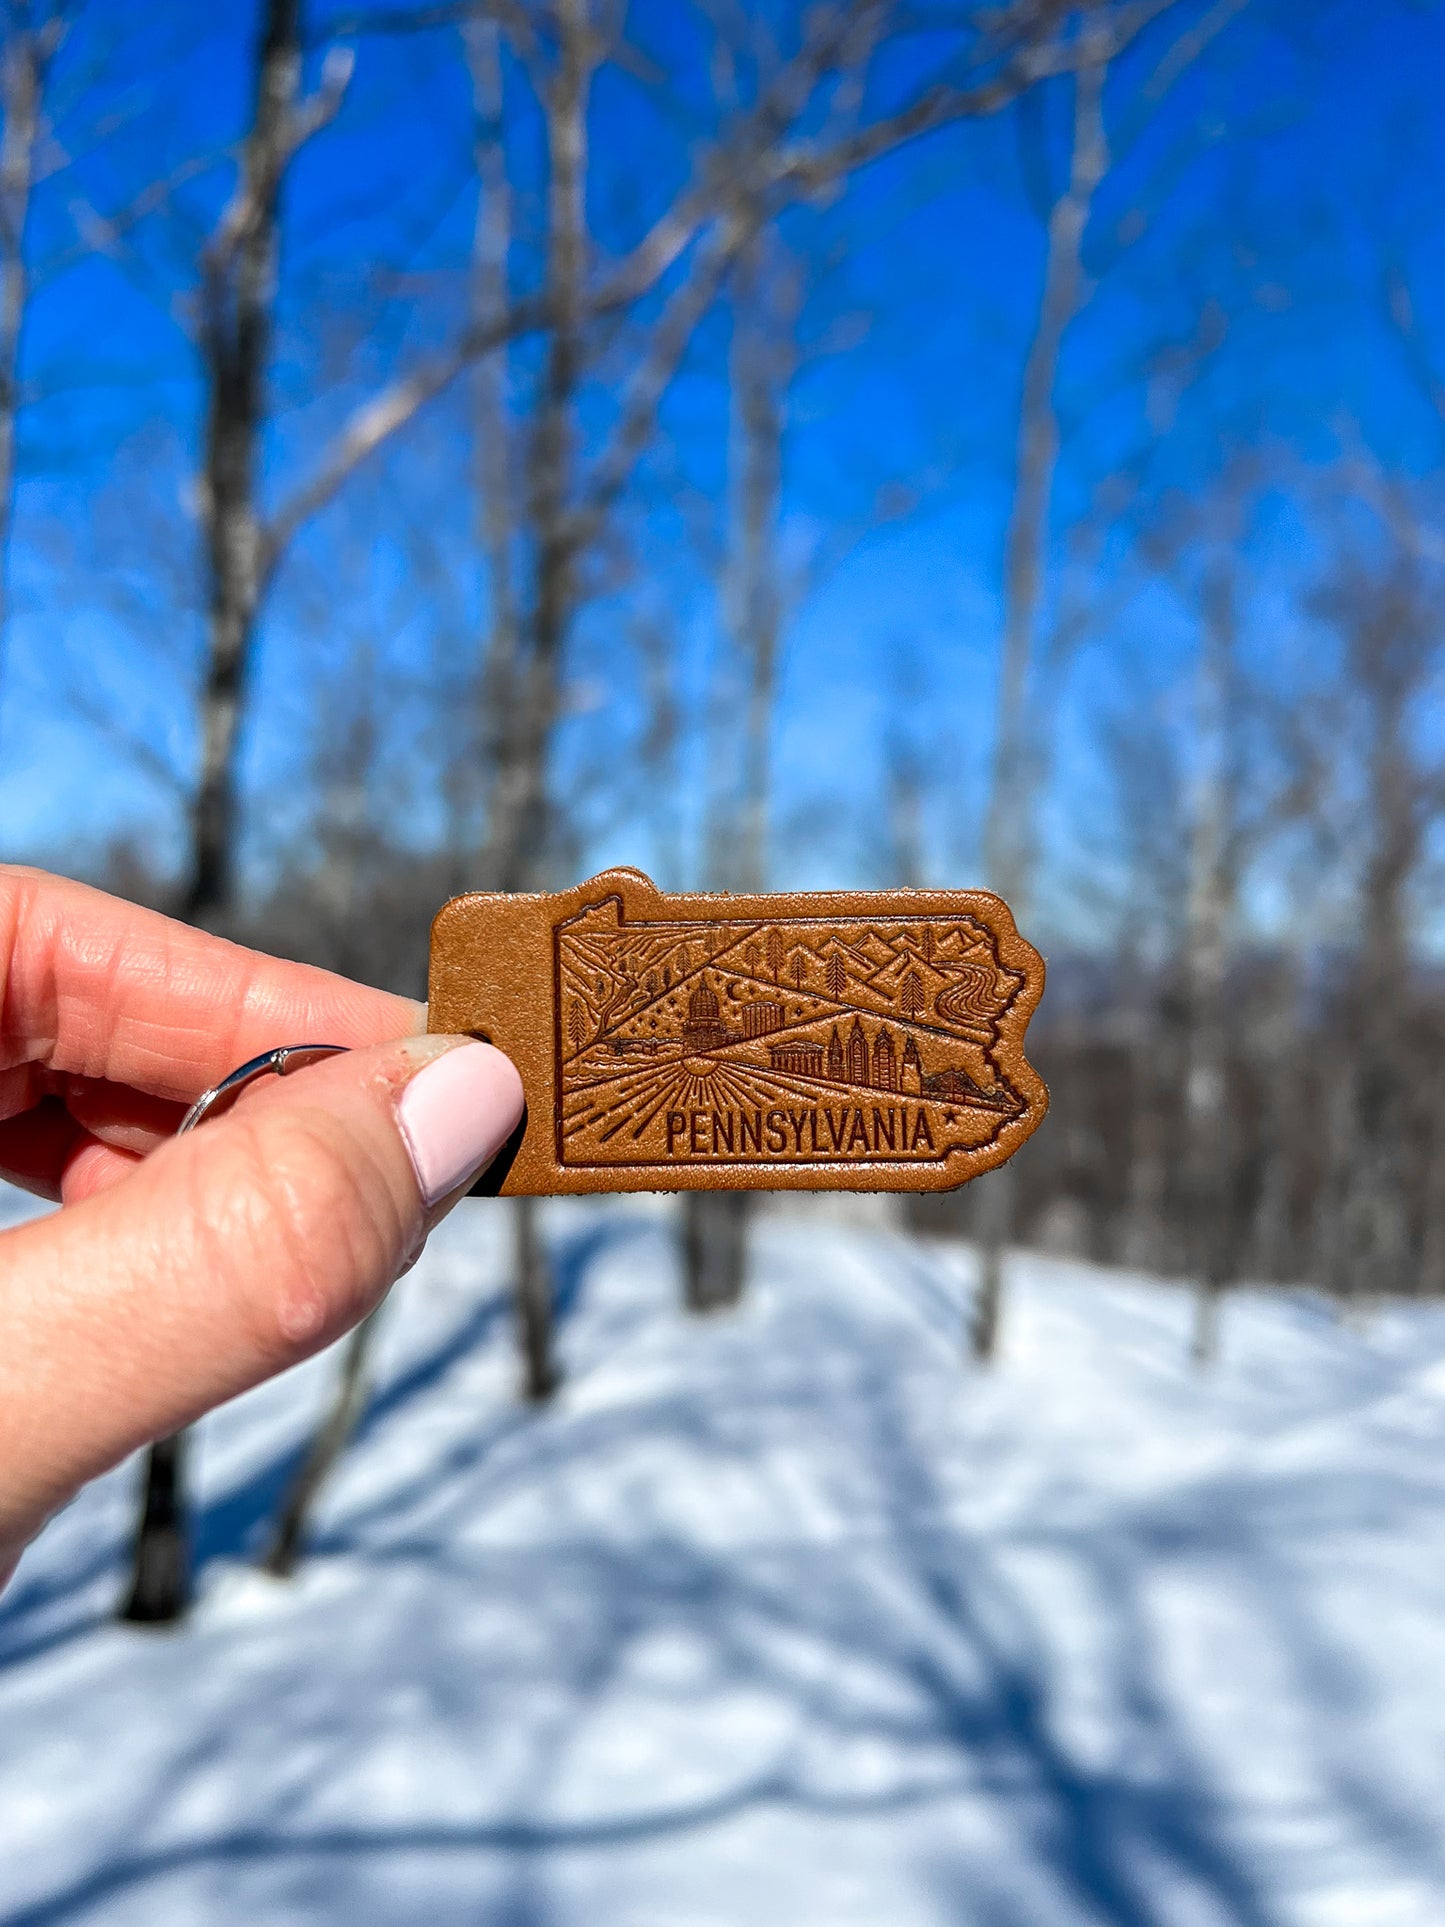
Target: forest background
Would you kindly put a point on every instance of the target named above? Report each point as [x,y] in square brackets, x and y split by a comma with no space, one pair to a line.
[461,445]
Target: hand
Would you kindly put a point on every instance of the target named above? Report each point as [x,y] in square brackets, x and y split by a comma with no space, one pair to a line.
[183,1271]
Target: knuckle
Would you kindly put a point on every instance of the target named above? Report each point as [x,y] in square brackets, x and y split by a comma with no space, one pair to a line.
[309,1233]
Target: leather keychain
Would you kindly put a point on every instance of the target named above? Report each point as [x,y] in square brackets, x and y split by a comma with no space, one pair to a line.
[853,1040]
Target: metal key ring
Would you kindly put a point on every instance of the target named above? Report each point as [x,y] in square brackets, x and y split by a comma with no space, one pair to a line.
[279,1063]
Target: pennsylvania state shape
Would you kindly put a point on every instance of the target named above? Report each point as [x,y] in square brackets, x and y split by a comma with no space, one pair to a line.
[861,1041]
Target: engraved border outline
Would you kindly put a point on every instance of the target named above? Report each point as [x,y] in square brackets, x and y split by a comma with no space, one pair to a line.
[1031,1114]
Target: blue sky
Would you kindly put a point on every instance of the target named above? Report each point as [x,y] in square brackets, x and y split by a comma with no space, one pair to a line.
[1300,157]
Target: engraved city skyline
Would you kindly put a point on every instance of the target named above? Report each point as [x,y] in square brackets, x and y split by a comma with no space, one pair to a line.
[754,1040]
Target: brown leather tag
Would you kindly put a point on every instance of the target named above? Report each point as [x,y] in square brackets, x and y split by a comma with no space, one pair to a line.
[848,1041]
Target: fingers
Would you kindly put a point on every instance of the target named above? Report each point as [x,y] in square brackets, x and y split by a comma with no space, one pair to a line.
[93,1167]
[55,1117]
[37,1146]
[49,1152]
[129,1120]
[229,1254]
[98,989]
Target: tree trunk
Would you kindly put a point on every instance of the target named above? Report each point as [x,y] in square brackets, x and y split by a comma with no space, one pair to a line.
[1145,1244]
[541,1374]
[1208,1308]
[1388,621]
[348,1403]
[1430,1279]
[714,1249]
[761,361]
[520,826]
[1284,1053]
[1393,654]
[1210,908]
[27,54]
[997,1215]
[160,1585]
[1009,824]
[497,683]
[237,297]
[763,352]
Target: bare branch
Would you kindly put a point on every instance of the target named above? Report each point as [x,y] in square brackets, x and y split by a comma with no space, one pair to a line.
[671,335]
[749,159]
[103,234]
[272,145]
[716,184]
[376,420]
[1008,819]
[1400,307]
[318,112]
[384,22]
[809,168]
[79,700]
[1188,47]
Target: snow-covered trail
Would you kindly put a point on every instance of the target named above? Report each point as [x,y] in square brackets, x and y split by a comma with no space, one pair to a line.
[782,1617]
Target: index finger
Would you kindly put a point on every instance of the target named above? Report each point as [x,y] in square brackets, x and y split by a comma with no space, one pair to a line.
[95,987]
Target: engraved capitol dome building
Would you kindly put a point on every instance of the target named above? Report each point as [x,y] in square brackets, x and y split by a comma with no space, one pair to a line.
[703,1029]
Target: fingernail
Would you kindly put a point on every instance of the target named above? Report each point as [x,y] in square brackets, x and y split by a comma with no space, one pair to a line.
[457,1113]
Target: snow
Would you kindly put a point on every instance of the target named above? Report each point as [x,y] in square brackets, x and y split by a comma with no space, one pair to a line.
[779,1616]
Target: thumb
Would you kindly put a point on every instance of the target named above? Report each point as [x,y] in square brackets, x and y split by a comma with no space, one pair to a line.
[230,1254]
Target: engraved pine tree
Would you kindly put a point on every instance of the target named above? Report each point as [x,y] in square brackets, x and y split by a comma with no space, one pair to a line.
[910,996]
[775,953]
[577,1025]
[837,976]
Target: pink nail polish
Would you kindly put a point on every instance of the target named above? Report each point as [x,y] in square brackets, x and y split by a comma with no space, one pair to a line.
[457,1113]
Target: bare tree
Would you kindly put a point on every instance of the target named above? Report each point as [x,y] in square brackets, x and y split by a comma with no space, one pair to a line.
[1008,817]
[475,760]
[322,1453]
[1213,894]
[239,271]
[1255,780]
[1384,615]
[495,509]
[526,685]
[237,305]
[33,35]
[764,300]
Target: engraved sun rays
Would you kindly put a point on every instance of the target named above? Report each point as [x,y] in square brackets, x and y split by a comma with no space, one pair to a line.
[638,1096]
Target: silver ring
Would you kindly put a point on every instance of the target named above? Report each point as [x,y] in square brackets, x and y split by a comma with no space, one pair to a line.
[278,1063]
